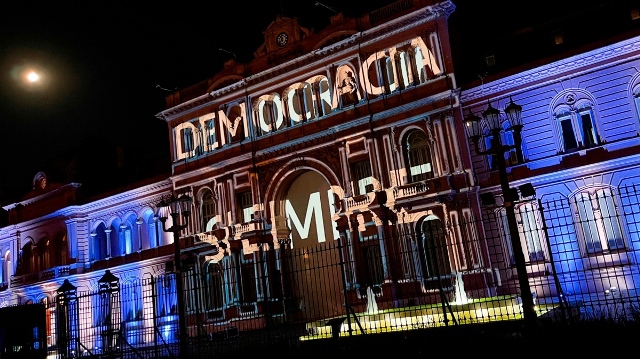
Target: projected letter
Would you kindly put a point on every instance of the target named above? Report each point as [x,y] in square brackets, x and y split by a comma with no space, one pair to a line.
[313,206]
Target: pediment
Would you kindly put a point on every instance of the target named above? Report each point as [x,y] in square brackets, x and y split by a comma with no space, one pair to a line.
[281,34]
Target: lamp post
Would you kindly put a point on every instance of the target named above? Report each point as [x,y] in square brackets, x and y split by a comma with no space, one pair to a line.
[66,294]
[176,208]
[494,120]
[108,288]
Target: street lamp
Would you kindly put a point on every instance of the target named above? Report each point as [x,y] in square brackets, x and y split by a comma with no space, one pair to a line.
[66,319]
[493,120]
[177,207]
[108,287]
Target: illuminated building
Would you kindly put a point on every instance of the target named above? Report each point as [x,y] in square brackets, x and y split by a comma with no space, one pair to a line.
[575,174]
[343,150]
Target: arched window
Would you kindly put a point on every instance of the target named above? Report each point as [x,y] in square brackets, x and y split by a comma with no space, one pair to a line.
[27,262]
[44,253]
[301,103]
[467,242]
[635,98]
[405,65]
[576,123]
[529,228]
[418,68]
[214,286]
[4,270]
[372,260]
[322,94]
[247,279]
[418,157]
[165,294]
[207,210]
[245,206]
[131,299]
[348,86]
[187,141]
[530,233]
[598,221]
[99,243]
[388,74]
[129,235]
[210,134]
[149,230]
[60,251]
[434,257]
[361,176]
[268,114]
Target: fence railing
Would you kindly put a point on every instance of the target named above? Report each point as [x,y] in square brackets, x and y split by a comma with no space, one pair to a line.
[581,259]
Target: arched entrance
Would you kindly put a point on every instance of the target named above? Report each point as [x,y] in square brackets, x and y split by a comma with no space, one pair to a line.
[311,264]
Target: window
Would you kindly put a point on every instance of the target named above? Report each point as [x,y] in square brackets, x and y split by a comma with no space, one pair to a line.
[26,261]
[99,243]
[322,91]
[198,139]
[165,293]
[506,139]
[245,205]
[208,211]
[187,140]
[418,157]
[268,112]
[126,238]
[529,233]
[362,180]
[131,298]
[372,258]
[4,274]
[247,279]
[527,218]
[568,136]
[348,87]
[210,134]
[154,230]
[102,307]
[60,250]
[147,230]
[468,246]
[636,100]
[577,130]
[488,145]
[433,248]
[388,74]
[401,61]
[44,253]
[302,103]
[214,288]
[588,127]
[419,70]
[598,221]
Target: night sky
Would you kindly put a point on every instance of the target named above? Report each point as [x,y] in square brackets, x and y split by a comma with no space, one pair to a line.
[105,66]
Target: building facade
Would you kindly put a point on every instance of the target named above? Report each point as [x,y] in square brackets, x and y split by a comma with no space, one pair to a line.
[346,135]
[333,177]
[577,217]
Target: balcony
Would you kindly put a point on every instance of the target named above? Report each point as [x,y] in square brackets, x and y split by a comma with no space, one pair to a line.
[29,278]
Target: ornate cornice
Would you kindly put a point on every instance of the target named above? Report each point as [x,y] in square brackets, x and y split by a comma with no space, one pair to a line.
[628,50]
[352,43]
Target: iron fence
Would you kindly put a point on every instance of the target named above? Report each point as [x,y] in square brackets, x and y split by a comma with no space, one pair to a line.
[581,259]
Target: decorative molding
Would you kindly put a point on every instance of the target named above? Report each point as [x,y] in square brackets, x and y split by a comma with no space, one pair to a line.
[554,71]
